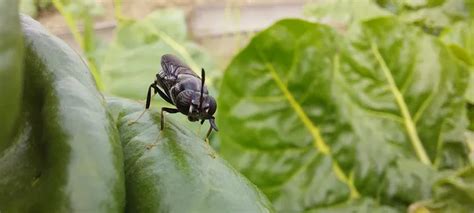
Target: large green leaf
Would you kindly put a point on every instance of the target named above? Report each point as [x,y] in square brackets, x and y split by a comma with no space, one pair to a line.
[66,155]
[11,74]
[174,170]
[316,119]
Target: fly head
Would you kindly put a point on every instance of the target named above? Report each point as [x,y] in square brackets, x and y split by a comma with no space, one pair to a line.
[202,110]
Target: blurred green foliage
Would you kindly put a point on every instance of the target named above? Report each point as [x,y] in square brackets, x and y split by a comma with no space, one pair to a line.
[460,37]
[11,70]
[33,7]
[344,13]
[132,59]
[432,15]
[129,62]
[83,13]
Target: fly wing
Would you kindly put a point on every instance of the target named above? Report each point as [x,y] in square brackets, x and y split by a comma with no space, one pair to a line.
[173,66]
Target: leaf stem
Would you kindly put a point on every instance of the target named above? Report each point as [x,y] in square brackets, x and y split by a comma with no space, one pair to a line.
[408,121]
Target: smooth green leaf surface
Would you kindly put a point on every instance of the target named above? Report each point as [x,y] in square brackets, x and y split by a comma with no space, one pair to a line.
[329,120]
[66,155]
[174,170]
[11,73]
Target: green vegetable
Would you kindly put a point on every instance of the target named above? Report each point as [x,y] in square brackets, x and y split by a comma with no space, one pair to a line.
[66,156]
[325,120]
[175,170]
[11,73]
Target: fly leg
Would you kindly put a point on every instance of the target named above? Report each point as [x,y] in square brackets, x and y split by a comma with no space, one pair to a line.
[148,100]
[166,109]
[212,125]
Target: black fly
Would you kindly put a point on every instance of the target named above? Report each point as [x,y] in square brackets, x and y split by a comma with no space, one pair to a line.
[185,90]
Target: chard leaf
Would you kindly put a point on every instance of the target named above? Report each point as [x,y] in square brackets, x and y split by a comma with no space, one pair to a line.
[325,119]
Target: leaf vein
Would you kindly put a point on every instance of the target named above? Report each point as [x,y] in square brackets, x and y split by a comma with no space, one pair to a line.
[408,120]
[319,143]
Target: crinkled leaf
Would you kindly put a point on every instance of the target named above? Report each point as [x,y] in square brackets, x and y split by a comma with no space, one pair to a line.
[454,193]
[174,170]
[462,35]
[322,118]
[11,73]
[65,156]
[461,38]
[432,15]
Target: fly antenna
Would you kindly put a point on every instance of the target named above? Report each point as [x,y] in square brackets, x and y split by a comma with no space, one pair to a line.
[203,79]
